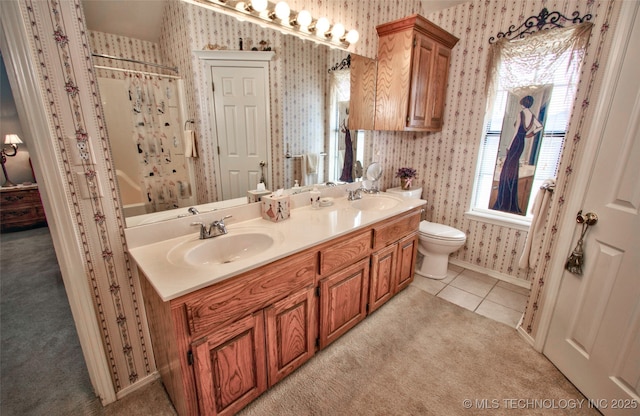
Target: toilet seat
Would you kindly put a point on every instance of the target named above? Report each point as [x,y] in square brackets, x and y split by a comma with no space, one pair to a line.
[440,232]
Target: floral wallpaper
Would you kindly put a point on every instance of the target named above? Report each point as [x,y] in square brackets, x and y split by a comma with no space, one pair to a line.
[445,161]
[61,48]
[128,48]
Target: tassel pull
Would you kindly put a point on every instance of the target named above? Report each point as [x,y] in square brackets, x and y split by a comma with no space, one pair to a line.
[576,259]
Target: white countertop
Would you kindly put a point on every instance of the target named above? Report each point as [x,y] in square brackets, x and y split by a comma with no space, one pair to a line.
[306,228]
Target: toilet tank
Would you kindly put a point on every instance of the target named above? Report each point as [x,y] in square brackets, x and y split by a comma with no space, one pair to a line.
[413,193]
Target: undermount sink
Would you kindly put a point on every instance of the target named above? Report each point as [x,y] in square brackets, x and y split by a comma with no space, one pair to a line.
[376,202]
[238,244]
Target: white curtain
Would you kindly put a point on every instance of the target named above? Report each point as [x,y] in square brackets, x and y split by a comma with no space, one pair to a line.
[535,59]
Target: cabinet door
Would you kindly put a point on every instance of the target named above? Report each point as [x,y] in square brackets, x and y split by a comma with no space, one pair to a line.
[407,251]
[440,76]
[393,80]
[420,99]
[383,276]
[362,104]
[291,333]
[230,366]
[429,77]
[343,301]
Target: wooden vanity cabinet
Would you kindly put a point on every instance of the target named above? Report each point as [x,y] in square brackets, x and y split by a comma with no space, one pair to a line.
[343,301]
[291,333]
[413,68]
[343,285]
[220,347]
[383,270]
[407,253]
[393,262]
[229,366]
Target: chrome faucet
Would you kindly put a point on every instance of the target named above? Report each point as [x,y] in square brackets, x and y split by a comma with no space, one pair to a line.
[215,229]
[193,211]
[372,190]
[353,194]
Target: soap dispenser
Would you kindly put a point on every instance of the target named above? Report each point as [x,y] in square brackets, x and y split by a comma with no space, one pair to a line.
[295,184]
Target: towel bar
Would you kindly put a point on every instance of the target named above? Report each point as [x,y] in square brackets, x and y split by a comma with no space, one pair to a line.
[290,156]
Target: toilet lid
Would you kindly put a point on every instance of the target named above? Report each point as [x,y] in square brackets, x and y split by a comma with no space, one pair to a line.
[441,231]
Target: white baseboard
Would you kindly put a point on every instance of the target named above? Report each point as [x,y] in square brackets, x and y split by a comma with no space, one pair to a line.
[500,276]
[138,385]
[523,334]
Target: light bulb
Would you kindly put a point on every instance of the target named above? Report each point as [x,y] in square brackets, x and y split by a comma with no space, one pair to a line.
[241,6]
[352,36]
[282,10]
[304,18]
[337,31]
[259,5]
[322,25]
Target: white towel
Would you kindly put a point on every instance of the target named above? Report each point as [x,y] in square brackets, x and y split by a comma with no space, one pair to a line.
[540,209]
[312,163]
[309,169]
[190,148]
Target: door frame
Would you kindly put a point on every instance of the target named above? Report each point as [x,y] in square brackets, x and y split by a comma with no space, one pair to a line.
[594,140]
[258,59]
[33,116]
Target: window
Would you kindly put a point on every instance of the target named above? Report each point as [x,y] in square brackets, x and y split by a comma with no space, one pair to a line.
[554,73]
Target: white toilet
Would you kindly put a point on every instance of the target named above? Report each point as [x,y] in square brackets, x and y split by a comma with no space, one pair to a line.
[437,241]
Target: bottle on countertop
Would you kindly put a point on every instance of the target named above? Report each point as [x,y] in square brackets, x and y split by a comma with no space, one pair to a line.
[315,198]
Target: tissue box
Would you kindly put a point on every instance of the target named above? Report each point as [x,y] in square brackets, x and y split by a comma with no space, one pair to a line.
[276,208]
[256,196]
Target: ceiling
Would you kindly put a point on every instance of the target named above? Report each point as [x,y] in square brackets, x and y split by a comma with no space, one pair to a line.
[141,19]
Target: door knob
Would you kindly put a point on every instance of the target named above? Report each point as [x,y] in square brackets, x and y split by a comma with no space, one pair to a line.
[590,218]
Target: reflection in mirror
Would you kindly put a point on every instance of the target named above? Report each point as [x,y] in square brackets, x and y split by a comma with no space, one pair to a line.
[373,175]
[374,171]
[142,115]
[298,107]
[519,147]
[345,147]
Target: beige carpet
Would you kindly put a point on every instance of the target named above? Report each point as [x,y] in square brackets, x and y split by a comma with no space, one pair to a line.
[417,355]
[420,355]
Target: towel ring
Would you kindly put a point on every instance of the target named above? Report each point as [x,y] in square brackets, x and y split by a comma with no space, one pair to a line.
[190,121]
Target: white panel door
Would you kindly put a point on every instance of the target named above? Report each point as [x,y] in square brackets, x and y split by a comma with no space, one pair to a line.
[594,333]
[242,123]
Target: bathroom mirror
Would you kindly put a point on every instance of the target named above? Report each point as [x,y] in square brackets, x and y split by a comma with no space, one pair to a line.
[314,58]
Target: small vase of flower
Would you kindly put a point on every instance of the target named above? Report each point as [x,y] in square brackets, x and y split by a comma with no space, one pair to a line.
[406,175]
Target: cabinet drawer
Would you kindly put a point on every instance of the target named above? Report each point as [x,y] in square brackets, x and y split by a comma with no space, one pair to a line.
[230,300]
[17,198]
[345,252]
[395,230]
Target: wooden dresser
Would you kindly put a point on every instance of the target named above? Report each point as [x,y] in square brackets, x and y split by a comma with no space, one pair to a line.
[21,208]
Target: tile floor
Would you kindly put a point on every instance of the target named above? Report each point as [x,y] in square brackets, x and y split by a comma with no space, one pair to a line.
[485,295]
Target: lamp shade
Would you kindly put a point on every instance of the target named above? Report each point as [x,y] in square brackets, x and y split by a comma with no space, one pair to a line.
[12,139]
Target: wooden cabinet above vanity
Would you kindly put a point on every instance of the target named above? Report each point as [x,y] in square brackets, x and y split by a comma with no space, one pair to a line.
[413,68]
[219,347]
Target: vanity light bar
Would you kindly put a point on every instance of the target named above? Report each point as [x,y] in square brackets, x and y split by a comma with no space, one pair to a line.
[280,17]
